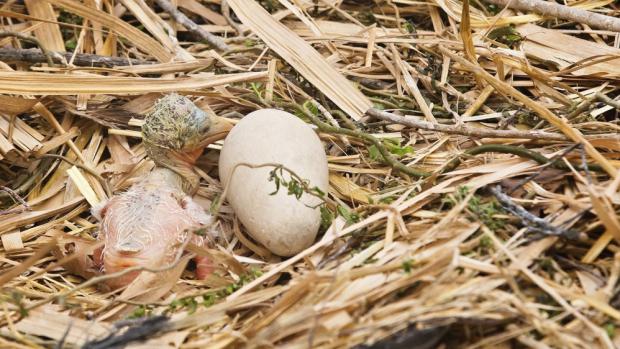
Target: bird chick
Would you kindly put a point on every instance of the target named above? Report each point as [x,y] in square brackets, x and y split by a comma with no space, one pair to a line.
[149,224]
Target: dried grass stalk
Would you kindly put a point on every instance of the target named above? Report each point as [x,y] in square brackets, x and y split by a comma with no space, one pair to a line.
[301,56]
[28,83]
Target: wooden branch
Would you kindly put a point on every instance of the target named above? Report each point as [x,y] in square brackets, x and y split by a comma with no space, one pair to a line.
[468,131]
[81,59]
[610,102]
[136,330]
[552,9]
[543,112]
[531,221]
[226,13]
[18,199]
[182,19]
[31,39]
[387,157]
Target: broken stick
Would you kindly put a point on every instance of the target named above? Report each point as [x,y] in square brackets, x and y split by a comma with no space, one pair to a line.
[552,9]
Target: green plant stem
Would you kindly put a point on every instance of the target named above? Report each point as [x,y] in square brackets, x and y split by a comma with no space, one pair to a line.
[452,165]
[387,158]
[215,209]
[384,102]
[345,119]
[385,154]
[519,151]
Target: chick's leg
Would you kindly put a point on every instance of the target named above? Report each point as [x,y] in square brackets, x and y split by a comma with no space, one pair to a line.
[204,264]
[204,267]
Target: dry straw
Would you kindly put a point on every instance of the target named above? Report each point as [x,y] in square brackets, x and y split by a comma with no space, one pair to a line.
[462,101]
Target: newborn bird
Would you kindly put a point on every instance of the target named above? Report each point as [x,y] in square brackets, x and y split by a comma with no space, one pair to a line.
[149,224]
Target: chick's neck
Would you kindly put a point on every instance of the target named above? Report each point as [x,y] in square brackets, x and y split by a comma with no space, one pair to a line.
[174,168]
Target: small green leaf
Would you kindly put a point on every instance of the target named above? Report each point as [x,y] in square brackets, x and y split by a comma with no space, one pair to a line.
[409,27]
[139,312]
[311,107]
[255,86]
[378,106]
[327,217]
[610,328]
[486,242]
[387,200]
[349,216]
[191,305]
[401,151]
[273,177]
[507,35]
[208,299]
[394,147]
[374,153]
[407,265]
[71,44]
[318,191]
[202,231]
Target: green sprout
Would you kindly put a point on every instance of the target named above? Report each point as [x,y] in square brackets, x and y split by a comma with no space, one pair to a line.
[483,211]
[507,35]
[393,146]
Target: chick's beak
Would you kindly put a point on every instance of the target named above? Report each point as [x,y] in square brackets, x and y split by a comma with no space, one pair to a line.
[218,130]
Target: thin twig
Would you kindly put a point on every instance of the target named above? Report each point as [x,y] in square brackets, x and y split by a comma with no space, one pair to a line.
[552,161]
[22,188]
[16,198]
[610,102]
[215,208]
[555,10]
[585,105]
[469,131]
[81,59]
[226,13]
[182,19]
[48,55]
[137,330]
[584,165]
[533,222]
[386,156]
[61,342]
[542,111]
[574,113]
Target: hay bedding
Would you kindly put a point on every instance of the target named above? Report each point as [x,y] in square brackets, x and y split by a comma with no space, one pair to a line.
[450,260]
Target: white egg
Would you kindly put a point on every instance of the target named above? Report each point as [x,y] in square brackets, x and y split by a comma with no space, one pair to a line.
[281,222]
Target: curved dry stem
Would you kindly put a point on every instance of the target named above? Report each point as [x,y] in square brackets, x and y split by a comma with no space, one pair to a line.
[182,19]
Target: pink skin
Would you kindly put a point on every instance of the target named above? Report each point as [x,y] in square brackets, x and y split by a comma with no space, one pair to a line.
[148,226]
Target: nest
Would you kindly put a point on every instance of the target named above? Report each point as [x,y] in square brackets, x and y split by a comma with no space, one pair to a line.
[473,156]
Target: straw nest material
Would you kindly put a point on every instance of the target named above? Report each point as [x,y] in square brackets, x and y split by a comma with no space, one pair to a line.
[473,154]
